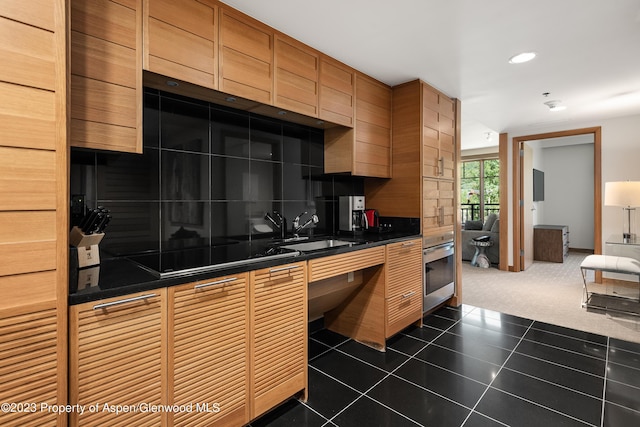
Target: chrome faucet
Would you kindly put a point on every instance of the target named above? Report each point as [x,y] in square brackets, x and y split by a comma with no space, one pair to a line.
[281,224]
[296,223]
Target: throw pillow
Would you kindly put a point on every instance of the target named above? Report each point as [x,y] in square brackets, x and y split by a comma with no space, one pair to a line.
[495,228]
[473,225]
[489,222]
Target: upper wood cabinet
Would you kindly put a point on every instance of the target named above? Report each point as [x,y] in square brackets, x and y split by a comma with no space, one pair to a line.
[365,149]
[337,89]
[181,40]
[424,150]
[296,76]
[438,134]
[106,75]
[246,57]
[208,350]
[372,154]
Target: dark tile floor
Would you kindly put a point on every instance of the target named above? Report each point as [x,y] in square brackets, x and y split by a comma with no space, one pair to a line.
[469,367]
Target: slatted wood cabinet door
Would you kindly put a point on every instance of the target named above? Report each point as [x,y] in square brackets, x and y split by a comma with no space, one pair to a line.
[208,349]
[106,74]
[117,357]
[403,285]
[181,40]
[279,334]
[337,91]
[28,364]
[296,76]
[246,57]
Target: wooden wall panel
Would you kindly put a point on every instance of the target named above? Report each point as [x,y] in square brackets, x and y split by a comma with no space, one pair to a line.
[27,117]
[31,62]
[28,181]
[40,13]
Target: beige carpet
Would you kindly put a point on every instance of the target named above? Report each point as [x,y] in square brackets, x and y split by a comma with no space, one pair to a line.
[547,292]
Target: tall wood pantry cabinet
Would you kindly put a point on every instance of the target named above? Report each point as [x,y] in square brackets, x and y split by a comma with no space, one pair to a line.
[33,211]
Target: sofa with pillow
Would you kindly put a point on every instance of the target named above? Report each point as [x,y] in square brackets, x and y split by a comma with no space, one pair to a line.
[473,229]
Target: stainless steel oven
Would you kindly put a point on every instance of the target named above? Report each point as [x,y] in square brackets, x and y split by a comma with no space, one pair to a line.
[439,274]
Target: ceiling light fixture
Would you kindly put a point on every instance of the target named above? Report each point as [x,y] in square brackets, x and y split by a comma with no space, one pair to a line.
[555,105]
[172,83]
[522,57]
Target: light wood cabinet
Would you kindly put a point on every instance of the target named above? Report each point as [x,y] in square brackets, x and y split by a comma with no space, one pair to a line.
[331,266]
[106,75]
[365,149]
[403,285]
[208,350]
[181,40]
[439,209]
[278,335]
[424,149]
[117,356]
[296,76]
[337,90]
[29,363]
[246,57]
[389,299]
[33,211]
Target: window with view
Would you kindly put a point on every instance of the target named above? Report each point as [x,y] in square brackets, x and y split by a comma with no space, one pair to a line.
[480,189]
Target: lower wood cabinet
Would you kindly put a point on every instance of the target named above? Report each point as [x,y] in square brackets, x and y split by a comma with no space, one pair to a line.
[117,360]
[278,335]
[403,303]
[208,351]
[389,300]
[217,352]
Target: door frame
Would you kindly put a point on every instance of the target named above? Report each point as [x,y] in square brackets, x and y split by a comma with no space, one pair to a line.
[517,181]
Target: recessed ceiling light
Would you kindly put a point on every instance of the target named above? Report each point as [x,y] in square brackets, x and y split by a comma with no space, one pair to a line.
[172,83]
[522,57]
[230,99]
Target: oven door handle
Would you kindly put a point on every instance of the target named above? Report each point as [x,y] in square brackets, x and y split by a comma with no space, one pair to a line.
[438,252]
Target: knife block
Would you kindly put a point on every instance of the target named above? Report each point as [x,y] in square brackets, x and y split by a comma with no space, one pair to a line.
[87,245]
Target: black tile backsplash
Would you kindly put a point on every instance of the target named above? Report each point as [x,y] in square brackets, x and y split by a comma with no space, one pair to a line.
[207,173]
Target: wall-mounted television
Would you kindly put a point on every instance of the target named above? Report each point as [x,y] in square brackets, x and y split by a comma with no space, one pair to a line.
[538,185]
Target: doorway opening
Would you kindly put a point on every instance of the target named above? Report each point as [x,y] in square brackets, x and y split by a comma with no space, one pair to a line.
[522,247]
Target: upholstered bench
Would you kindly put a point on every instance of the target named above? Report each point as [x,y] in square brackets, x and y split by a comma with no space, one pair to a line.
[612,264]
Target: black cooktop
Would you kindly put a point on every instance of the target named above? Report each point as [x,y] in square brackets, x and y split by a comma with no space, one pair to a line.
[171,263]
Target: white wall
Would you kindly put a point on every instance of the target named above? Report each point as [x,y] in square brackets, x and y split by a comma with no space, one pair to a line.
[568,198]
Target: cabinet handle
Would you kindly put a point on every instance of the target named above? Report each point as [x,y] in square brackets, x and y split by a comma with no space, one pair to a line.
[275,270]
[123,301]
[217,282]
[406,244]
[408,294]
[441,216]
[441,166]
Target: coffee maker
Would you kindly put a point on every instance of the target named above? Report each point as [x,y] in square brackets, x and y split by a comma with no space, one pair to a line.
[351,213]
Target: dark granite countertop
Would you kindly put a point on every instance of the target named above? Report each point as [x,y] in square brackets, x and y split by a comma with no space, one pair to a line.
[118,276]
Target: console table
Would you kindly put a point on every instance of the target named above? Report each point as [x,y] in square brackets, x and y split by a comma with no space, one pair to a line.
[550,242]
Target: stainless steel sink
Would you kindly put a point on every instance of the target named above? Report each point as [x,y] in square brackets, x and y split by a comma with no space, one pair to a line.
[318,245]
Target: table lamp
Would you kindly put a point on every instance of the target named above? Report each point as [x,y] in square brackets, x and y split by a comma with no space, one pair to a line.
[627,195]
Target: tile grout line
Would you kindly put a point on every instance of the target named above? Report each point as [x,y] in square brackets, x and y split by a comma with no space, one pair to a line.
[496,376]
[388,374]
[604,385]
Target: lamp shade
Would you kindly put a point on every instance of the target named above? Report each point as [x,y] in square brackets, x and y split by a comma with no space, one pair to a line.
[622,193]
